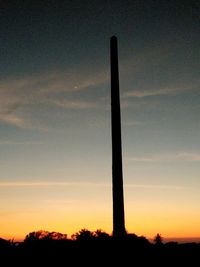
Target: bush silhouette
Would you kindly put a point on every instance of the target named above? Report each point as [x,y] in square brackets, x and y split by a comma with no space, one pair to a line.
[83,235]
[44,236]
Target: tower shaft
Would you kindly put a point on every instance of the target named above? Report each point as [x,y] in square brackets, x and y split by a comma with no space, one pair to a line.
[117,170]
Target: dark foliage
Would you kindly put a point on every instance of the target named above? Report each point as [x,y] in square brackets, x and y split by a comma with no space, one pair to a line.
[44,236]
[86,248]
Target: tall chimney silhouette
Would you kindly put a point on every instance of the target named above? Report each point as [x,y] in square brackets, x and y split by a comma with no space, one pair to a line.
[117,172]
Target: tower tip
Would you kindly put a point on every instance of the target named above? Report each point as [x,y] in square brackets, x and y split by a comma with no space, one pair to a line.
[113,37]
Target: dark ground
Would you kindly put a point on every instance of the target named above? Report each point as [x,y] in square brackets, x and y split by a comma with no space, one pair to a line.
[130,251]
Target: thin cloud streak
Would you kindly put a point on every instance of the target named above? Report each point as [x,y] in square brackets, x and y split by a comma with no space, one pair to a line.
[49,183]
[75,105]
[132,123]
[148,93]
[156,158]
[22,123]
[26,143]
[81,184]
[154,186]
[15,120]
[189,156]
[52,82]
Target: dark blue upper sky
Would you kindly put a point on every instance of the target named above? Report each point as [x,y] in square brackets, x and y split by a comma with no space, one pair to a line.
[42,35]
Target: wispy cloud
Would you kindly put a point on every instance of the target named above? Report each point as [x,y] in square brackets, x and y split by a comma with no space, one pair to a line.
[78,104]
[60,202]
[26,143]
[132,123]
[153,186]
[188,156]
[26,93]
[54,82]
[22,122]
[178,156]
[13,89]
[15,120]
[147,93]
[50,183]
[83,184]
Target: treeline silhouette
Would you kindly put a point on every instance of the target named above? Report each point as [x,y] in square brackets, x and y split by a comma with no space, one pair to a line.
[98,248]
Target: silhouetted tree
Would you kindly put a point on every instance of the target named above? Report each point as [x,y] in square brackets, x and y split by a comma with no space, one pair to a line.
[44,235]
[43,248]
[4,243]
[57,236]
[101,234]
[83,234]
[158,240]
[131,237]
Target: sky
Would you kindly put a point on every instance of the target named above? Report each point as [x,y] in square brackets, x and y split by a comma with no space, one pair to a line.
[55,122]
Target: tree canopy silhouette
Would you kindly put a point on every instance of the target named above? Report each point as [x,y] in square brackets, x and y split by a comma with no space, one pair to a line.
[43,248]
[44,235]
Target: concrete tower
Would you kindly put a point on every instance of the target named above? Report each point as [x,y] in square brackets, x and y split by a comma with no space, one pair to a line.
[117,172]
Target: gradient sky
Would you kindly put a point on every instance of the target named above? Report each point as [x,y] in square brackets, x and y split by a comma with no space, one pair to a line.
[55,140]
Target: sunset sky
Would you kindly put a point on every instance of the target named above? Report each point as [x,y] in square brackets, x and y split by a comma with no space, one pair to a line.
[55,133]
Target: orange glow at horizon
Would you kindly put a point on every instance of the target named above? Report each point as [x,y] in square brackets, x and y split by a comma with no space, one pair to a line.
[17,226]
[70,208]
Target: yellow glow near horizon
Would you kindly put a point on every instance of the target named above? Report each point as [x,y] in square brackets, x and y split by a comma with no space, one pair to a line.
[71,207]
[70,220]
[17,227]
